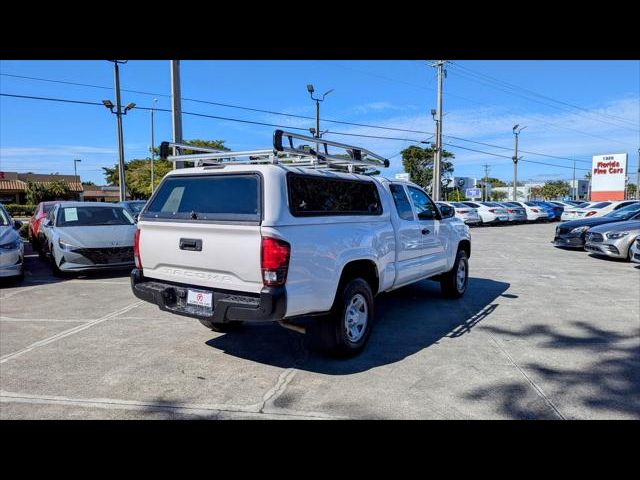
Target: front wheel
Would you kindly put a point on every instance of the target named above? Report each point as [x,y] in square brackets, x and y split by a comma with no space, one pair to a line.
[454,283]
[345,331]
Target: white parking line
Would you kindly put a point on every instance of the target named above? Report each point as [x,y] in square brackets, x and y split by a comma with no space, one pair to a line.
[68,332]
[147,407]
[11,319]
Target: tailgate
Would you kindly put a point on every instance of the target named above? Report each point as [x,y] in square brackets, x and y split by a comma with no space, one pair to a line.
[204,230]
[207,255]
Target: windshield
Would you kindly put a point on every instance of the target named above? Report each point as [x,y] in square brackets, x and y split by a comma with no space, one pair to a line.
[48,207]
[531,204]
[471,204]
[492,204]
[459,205]
[4,218]
[626,212]
[93,216]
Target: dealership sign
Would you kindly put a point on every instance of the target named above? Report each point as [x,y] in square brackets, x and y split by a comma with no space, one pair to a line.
[608,176]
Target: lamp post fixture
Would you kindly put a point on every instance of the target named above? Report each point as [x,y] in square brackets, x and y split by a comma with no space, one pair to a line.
[317,133]
[119,113]
[516,131]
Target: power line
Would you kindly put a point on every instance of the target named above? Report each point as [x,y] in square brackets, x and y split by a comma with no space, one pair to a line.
[220,104]
[513,86]
[512,90]
[276,125]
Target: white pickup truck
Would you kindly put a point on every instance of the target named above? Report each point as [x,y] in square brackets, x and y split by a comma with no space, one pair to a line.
[278,242]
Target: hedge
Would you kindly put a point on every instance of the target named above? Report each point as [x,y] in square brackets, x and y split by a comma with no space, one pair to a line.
[16,210]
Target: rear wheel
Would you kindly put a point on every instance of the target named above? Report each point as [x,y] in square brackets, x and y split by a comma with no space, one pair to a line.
[221,327]
[453,284]
[346,330]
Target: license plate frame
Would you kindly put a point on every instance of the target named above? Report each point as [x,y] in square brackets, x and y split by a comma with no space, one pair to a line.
[200,299]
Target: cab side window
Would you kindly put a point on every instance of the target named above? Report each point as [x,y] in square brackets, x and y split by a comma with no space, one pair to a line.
[425,208]
[402,202]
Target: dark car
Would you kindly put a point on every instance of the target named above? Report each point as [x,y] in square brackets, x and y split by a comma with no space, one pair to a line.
[572,233]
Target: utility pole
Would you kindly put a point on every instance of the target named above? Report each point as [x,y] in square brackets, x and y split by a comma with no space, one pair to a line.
[516,132]
[435,191]
[574,185]
[155,100]
[176,108]
[485,194]
[638,178]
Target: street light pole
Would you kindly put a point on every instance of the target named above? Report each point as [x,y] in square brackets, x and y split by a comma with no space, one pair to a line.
[119,113]
[75,162]
[317,133]
[121,171]
[435,191]
[516,132]
[155,100]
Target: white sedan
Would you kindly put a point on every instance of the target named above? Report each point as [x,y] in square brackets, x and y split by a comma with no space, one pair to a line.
[465,213]
[489,215]
[598,209]
[535,213]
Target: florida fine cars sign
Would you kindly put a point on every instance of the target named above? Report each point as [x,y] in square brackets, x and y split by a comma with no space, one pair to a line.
[608,175]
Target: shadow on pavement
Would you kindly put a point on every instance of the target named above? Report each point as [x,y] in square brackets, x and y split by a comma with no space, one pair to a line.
[610,383]
[408,320]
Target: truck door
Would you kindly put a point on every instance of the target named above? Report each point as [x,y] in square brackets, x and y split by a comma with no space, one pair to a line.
[432,231]
[409,246]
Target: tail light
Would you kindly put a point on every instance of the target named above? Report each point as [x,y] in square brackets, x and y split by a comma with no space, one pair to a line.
[274,262]
[136,250]
[462,211]
[534,210]
[590,213]
[511,211]
[492,210]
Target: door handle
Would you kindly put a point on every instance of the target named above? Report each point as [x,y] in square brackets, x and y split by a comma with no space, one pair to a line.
[194,244]
[426,231]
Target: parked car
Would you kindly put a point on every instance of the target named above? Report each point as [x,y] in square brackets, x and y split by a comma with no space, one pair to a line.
[82,236]
[465,213]
[34,234]
[612,239]
[554,212]
[516,214]
[572,233]
[635,250]
[11,246]
[571,213]
[489,215]
[599,209]
[133,206]
[273,242]
[534,213]
[562,203]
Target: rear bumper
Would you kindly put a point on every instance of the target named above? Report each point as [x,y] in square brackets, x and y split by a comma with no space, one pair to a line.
[269,306]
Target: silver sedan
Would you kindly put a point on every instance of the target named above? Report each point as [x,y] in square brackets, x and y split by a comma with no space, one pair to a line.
[612,239]
[11,246]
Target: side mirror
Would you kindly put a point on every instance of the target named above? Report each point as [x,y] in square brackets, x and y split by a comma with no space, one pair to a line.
[17,224]
[447,212]
[425,215]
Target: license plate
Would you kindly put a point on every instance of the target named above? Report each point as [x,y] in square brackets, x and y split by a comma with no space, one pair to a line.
[200,299]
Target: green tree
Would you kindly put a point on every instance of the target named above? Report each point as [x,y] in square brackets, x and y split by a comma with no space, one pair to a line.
[494,182]
[535,193]
[57,190]
[631,190]
[418,163]
[498,196]
[456,196]
[138,171]
[35,193]
[555,189]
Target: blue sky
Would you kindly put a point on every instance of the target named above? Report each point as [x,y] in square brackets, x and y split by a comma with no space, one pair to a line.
[45,137]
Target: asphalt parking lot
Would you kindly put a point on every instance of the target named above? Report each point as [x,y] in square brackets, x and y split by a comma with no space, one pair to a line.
[542,333]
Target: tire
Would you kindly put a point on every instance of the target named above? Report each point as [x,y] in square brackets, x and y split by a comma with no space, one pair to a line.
[221,327]
[450,285]
[345,331]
